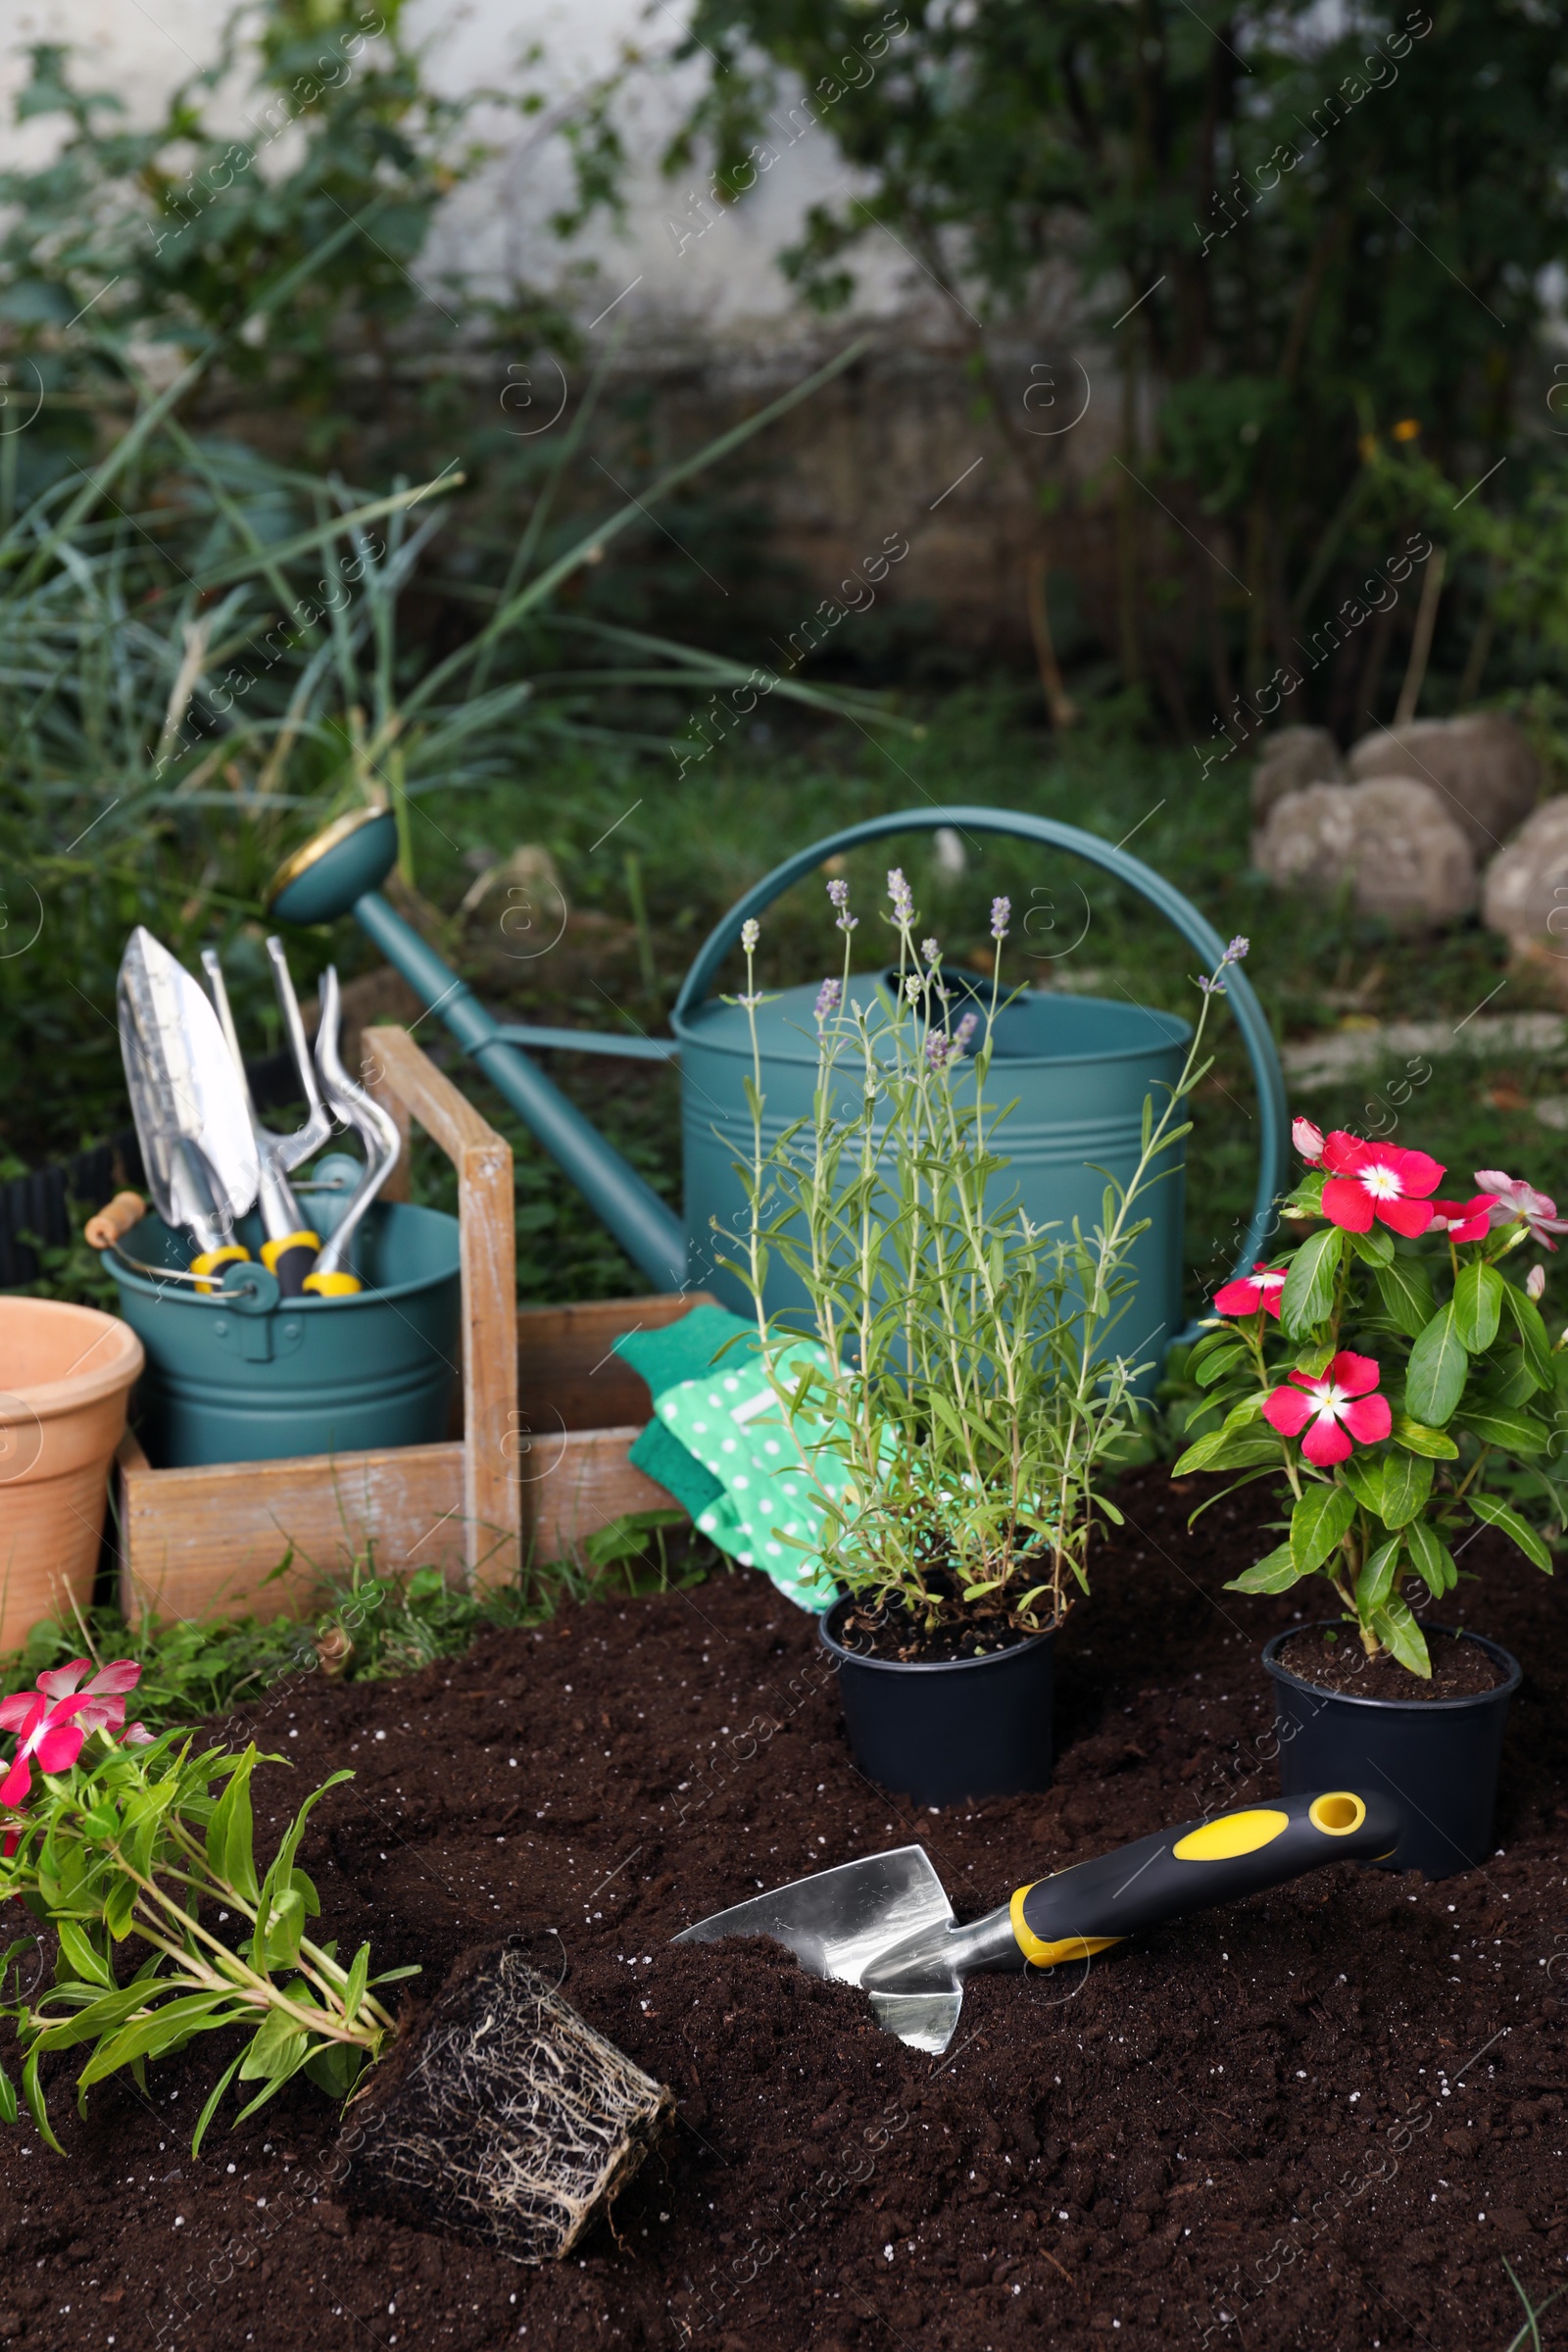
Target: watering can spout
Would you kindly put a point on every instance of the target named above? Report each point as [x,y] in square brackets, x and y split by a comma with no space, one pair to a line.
[339,872]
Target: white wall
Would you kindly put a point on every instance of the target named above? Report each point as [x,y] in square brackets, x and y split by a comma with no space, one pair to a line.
[720,281]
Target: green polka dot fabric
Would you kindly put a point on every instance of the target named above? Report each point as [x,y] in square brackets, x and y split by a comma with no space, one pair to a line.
[768,1512]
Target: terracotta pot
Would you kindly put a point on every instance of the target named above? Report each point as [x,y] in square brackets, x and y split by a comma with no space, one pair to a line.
[66,1373]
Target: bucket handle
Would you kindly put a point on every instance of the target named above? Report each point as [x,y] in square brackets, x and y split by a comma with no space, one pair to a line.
[1267,1076]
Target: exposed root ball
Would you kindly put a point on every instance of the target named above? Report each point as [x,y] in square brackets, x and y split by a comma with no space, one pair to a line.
[506,2117]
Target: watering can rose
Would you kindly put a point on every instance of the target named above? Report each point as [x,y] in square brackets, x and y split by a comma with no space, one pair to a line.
[1388,1369]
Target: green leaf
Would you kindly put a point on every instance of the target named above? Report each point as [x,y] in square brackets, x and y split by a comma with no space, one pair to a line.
[1212,1343]
[1224,1450]
[1520,1432]
[285,1926]
[354,1990]
[1307,1298]
[32,2092]
[211,2109]
[1439,1369]
[1406,1486]
[1492,1513]
[1374,1249]
[166,2029]
[1399,1632]
[231,1833]
[1275,1572]
[1406,1288]
[1532,1331]
[335,2067]
[1216,1367]
[1317,1523]
[1432,1558]
[1477,1305]
[1363,1474]
[1416,1437]
[8,2098]
[276,2049]
[1376,1580]
[1315,1362]
[117,1909]
[76,1948]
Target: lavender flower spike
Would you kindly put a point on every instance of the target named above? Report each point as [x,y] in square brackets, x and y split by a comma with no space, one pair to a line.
[827,1000]
[901,894]
[1000,915]
[839,892]
[1237,949]
[965,1030]
[931,950]
[750,933]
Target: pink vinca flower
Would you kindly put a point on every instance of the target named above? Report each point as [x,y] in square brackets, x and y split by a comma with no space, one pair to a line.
[1515,1200]
[1335,1407]
[1308,1141]
[1378,1180]
[53,1722]
[1464,1220]
[1247,1293]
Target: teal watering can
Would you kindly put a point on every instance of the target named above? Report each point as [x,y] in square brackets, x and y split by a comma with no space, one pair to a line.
[1078,1068]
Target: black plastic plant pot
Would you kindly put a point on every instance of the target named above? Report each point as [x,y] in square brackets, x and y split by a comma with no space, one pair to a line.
[1437,1758]
[962,1727]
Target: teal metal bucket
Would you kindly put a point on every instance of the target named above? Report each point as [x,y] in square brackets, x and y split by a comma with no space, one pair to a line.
[1077,1071]
[308,1376]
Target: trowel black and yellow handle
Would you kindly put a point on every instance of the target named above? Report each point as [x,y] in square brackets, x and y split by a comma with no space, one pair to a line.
[291,1257]
[1194,1866]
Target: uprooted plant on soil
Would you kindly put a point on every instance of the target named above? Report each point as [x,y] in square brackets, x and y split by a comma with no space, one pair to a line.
[153,1839]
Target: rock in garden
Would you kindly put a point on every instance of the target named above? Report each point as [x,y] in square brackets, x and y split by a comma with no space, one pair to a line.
[504,2116]
[1483,769]
[1526,893]
[1393,839]
[1306,842]
[1292,759]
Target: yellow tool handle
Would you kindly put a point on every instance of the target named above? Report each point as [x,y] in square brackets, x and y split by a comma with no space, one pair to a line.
[290,1257]
[333,1285]
[210,1261]
[1195,1865]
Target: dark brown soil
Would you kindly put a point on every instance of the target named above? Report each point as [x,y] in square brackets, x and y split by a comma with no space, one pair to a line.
[1321,2118]
[1335,1661]
[895,1634]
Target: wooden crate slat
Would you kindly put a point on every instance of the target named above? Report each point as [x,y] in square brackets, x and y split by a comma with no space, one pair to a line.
[202,1542]
[585,1480]
[567,1374]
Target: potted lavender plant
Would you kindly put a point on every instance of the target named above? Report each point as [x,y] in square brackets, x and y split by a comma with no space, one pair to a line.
[942,1429]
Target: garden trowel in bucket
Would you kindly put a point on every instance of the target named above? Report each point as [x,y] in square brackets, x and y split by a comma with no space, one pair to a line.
[188,1104]
[884,1922]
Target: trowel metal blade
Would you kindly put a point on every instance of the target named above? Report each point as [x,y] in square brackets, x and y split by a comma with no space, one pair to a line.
[186,1097]
[840,1922]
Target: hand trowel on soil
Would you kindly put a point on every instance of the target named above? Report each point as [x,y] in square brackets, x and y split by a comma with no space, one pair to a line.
[187,1102]
[885,1924]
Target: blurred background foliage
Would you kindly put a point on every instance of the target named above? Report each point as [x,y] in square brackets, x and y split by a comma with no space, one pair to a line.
[236,593]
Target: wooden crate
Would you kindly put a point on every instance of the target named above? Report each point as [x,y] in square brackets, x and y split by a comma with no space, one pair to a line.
[547,1417]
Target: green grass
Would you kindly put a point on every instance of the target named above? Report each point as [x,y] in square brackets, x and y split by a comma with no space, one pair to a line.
[392,1624]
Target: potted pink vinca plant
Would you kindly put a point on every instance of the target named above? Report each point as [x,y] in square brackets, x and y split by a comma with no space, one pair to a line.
[1397,1378]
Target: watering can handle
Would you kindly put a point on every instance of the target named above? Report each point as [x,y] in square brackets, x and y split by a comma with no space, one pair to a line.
[1267,1075]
